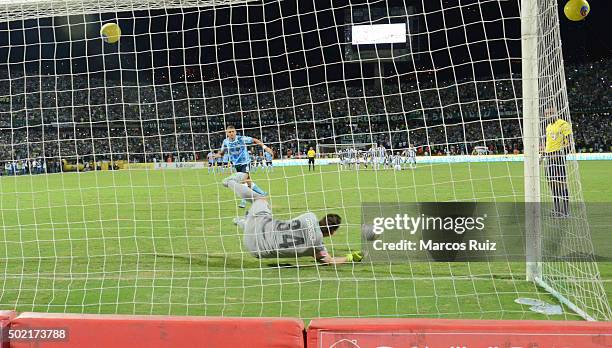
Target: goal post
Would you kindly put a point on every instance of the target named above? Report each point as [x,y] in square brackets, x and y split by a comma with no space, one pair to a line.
[531,136]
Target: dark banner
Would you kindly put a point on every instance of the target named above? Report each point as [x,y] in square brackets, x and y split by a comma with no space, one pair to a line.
[486,232]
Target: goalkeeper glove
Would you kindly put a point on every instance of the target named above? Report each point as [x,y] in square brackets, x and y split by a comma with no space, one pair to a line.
[355,256]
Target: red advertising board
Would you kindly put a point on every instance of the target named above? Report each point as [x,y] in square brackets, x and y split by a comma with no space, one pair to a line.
[433,333]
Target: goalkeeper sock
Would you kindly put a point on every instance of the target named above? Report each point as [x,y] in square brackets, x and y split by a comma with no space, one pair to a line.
[565,209]
[257,189]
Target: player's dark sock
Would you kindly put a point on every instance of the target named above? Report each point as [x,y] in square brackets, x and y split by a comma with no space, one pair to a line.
[560,199]
[565,202]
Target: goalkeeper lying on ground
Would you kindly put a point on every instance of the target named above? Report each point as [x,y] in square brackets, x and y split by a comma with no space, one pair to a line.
[266,237]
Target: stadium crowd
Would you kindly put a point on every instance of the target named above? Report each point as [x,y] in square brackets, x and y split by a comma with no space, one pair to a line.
[47,119]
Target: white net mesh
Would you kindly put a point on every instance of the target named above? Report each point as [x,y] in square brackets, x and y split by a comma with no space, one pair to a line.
[106,205]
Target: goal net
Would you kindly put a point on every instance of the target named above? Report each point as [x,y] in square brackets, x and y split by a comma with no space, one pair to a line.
[107,207]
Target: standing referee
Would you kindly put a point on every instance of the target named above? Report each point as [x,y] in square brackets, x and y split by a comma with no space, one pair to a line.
[311,157]
[558,134]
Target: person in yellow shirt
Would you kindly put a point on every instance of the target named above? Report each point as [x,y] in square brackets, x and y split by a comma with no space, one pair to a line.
[558,140]
[311,157]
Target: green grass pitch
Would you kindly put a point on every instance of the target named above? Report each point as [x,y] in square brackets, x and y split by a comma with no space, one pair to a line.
[163,242]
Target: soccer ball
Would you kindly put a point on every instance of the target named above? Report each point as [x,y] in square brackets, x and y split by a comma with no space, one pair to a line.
[110,32]
[576,10]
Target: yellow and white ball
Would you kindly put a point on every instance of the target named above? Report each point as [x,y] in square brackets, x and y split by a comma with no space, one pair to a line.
[110,32]
[576,10]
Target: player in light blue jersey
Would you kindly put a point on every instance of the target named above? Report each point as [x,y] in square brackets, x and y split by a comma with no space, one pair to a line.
[236,147]
[225,166]
[211,162]
[268,158]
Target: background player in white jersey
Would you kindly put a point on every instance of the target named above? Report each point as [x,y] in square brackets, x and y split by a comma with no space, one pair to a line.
[372,153]
[367,157]
[343,158]
[351,157]
[387,160]
[348,158]
[397,160]
[267,237]
[360,159]
[379,156]
[411,158]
